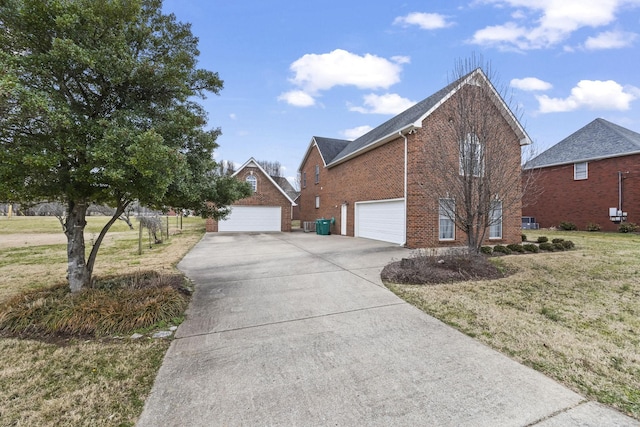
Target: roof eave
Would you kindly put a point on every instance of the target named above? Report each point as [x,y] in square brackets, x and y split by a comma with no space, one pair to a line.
[590,159]
[381,141]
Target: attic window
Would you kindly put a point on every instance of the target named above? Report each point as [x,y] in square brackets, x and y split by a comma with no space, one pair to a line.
[253,182]
[317,174]
[580,171]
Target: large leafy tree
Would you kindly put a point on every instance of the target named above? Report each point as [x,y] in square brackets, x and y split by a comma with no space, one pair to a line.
[97,106]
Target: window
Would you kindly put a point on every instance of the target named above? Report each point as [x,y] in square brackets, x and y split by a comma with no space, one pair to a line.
[317,174]
[253,182]
[495,220]
[471,156]
[304,180]
[317,202]
[580,171]
[447,212]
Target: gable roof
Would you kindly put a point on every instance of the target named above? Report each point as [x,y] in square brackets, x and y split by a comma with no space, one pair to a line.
[415,115]
[253,163]
[599,139]
[286,186]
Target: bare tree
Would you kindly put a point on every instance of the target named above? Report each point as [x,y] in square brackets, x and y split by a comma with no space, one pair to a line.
[475,158]
[272,168]
[225,168]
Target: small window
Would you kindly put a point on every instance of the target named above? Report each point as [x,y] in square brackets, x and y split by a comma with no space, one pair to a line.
[304,180]
[253,182]
[495,220]
[580,171]
[317,174]
[471,156]
[447,214]
[317,202]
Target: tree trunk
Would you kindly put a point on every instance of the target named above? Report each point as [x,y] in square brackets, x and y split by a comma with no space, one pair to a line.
[78,273]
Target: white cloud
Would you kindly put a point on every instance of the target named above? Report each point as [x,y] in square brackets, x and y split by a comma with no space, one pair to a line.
[531,84]
[314,73]
[555,21]
[356,132]
[426,21]
[590,94]
[297,98]
[610,40]
[389,103]
[232,116]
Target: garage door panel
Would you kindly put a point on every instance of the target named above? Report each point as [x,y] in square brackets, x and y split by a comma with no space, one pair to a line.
[381,220]
[252,218]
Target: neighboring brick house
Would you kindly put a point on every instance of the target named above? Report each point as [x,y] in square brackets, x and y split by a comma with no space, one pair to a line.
[372,186]
[586,179]
[270,208]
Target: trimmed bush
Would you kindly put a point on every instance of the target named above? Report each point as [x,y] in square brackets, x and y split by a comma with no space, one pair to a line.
[501,249]
[567,226]
[530,247]
[558,246]
[593,227]
[627,227]
[546,246]
[514,247]
[568,244]
[558,240]
[487,250]
[542,239]
[524,237]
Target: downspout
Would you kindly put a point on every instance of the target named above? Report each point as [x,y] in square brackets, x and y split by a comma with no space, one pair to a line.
[405,185]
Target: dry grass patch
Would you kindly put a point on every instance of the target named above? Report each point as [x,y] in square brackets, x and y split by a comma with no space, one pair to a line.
[574,315]
[71,378]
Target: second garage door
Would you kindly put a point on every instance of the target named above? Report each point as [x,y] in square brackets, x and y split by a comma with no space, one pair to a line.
[252,218]
[381,220]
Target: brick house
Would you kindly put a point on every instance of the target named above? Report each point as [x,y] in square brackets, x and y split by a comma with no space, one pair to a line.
[270,208]
[586,179]
[373,186]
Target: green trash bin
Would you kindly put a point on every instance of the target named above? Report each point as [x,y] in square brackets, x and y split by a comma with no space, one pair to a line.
[323,226]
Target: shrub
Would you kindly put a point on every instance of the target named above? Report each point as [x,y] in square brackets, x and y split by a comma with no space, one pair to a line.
[542,239]
[568,244]
[593,227]
[524,237]
[530,247]
[514,247]
[567,226]
[487,250]
[501,249]
[627,227]
[559,246]
[558,240]
[546,246]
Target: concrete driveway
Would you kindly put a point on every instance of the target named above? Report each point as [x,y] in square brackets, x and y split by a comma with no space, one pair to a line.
[295,329]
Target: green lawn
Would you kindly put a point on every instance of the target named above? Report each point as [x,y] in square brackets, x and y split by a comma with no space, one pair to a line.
[572,315]
[80,382]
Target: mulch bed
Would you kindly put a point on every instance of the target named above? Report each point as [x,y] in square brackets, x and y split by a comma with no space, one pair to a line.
[441,269]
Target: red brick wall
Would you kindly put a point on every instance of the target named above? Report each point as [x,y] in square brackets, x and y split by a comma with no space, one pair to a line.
[379,175]
[267,194]
[556,197]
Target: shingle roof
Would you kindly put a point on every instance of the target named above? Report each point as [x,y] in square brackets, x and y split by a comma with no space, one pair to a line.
[397,123]
[597,140]
[286,187]
[415,114]
[330,147]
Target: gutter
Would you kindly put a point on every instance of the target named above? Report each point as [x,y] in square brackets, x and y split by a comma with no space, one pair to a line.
[406,156]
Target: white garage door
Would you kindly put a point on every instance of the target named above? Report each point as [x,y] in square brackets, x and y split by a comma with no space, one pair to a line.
[252,218]
[381,220]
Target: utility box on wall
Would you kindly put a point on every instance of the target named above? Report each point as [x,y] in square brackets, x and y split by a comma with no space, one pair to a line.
[616,215]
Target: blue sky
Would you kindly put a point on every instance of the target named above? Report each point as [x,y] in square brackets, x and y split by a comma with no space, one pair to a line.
[293,70]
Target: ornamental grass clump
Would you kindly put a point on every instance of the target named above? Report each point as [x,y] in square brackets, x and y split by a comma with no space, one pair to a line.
[117,305]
